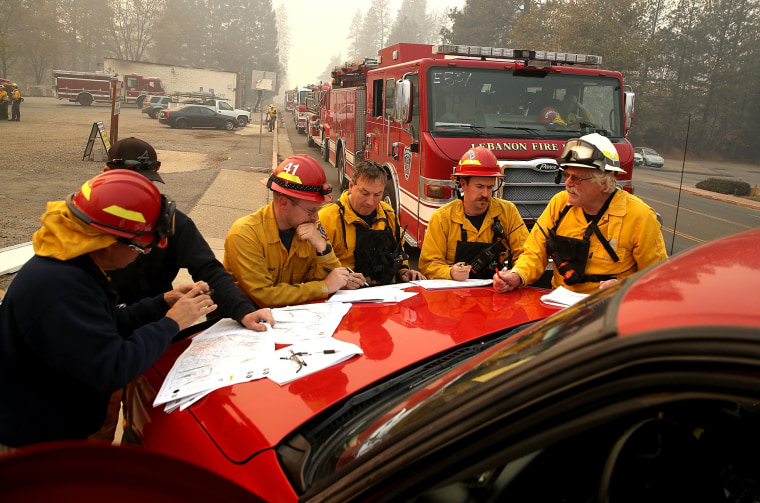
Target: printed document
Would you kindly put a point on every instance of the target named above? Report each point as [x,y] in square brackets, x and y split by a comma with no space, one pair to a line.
[224,354]
[439,284]
[563,297]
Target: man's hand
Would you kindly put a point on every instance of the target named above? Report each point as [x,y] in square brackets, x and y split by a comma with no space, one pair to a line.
[460,271]
[506,282]
[255,320]
[307,231]
[609,282]
[337,279]
[173,296]
[191,306]
[355,280]
[410,275]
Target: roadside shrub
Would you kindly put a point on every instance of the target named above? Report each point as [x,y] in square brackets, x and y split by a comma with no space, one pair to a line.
[722,186]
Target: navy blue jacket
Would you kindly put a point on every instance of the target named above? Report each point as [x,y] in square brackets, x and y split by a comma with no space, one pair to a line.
[65,348]
[154,273]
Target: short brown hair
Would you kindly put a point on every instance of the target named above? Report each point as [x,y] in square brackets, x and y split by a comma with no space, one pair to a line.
[369,170]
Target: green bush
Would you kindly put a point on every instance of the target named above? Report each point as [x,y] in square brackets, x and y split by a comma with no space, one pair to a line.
[722,186]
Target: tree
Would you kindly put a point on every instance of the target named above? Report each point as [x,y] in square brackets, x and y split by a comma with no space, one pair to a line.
[413,24]
[133,27]
[374,30]
[283,42]
[38,54]
[12,26]
[485,22]
[354,37]
[326,76]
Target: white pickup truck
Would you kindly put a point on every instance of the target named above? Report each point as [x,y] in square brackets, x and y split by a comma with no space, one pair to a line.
[223,107]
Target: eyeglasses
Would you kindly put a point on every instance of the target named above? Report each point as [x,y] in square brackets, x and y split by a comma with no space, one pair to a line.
[574,178]
[296,360]
[136,248]
[309,211]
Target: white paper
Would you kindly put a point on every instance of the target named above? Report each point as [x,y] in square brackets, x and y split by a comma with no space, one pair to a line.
[306,321]
[563,297]
[285,368]
[438,284]
[222,355]
[387,293]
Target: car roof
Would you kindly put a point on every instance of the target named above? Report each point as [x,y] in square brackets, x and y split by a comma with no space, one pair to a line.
[393,337]
[708,285]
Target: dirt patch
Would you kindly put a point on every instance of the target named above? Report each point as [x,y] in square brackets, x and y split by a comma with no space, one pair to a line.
[42,158]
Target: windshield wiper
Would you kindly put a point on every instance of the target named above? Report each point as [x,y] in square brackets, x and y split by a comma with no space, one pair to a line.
[531,130]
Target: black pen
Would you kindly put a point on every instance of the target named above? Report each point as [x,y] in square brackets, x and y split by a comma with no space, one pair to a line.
[352,272]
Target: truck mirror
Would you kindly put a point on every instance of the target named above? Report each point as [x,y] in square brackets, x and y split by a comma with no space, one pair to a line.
[402,110]
[630,97]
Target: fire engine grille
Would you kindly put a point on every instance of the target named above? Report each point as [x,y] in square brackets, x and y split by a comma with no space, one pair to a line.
[529,188]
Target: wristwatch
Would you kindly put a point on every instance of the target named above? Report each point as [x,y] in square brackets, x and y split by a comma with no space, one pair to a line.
[326,251]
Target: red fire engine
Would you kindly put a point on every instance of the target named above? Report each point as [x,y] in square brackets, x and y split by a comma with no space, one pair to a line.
[299,108]
[317,118]
[88,87]
[418,108]
[290,99]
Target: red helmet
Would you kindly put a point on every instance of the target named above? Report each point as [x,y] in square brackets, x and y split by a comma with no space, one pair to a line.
[548,114]
[126,204]
[478,161]
[302,177]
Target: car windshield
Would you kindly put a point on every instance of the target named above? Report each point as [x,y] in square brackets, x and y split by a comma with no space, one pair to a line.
[418,399]
[522,104]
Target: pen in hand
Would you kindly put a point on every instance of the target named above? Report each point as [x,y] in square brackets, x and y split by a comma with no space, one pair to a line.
[498,273]
[352,272]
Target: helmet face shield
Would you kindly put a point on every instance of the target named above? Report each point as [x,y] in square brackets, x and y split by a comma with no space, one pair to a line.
[591,151]
[579,150]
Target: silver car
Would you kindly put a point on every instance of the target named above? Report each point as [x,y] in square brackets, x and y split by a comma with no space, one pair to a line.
[649,157]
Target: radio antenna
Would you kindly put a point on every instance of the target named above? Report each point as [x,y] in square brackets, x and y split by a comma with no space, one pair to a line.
[680,186]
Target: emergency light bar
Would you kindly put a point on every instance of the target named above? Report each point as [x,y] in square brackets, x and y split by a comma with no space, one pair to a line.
[498,52]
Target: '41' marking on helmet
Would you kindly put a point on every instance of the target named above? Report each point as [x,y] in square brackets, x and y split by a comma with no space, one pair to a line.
[290,166]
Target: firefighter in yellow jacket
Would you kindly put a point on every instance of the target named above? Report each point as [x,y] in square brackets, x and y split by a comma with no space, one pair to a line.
[3,103]
[594,232]
[365,231]
[271,117]
[470,237]
[280,255]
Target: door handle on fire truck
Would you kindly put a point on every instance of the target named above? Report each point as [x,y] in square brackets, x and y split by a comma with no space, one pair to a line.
[395,148]
[369,140]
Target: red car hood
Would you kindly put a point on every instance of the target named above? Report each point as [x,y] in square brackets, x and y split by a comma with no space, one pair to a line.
[244,419]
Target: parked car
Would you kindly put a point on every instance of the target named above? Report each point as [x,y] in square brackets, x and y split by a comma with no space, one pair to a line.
[638,159]
[649,157]
[154,104]
[645,391]
[191,116]
[222,106]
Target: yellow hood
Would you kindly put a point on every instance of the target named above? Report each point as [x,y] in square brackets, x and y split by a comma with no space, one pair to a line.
[64,236]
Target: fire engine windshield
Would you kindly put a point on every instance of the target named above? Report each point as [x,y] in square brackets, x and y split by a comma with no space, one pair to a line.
[481,102]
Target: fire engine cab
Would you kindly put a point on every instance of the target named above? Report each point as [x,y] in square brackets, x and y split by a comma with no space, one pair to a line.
[418,108]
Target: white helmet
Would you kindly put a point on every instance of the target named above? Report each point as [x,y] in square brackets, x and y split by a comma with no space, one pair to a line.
[591,151]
